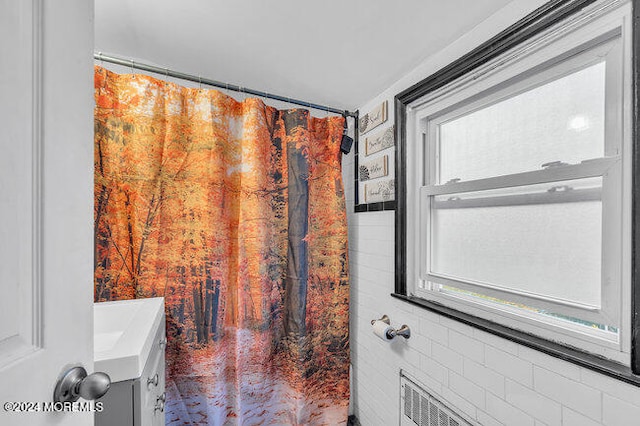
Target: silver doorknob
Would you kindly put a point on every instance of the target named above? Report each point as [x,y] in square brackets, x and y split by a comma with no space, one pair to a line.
[75,383]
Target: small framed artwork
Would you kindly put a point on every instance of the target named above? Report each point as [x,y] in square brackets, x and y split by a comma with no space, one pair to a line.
[374,169]
[379,141]
[381,191]
[373,118]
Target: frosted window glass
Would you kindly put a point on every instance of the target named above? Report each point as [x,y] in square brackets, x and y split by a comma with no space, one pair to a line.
[546,249]
[562,120]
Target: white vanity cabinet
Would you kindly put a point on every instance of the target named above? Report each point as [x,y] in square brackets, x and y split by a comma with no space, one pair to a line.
[130,346]
[149,390]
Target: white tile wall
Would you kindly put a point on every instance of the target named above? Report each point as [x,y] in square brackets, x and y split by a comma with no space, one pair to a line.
[571,418]
[511,366]
[619,413]
[533,403]
[492,380]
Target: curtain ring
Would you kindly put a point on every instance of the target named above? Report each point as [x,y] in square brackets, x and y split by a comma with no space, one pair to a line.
[200,81]
[132,65]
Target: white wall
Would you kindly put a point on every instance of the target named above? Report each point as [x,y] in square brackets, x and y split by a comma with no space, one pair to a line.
[492,380]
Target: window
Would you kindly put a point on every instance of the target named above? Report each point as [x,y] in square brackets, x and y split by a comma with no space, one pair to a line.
[518,187]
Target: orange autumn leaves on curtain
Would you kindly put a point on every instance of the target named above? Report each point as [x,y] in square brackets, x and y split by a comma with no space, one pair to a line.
[234,212]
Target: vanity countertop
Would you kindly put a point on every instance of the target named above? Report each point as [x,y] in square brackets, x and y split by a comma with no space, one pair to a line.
[123,335]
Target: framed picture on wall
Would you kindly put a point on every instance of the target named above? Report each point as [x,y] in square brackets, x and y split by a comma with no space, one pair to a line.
[375,162]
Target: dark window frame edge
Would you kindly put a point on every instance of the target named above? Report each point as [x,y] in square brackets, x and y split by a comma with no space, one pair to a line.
[539,20]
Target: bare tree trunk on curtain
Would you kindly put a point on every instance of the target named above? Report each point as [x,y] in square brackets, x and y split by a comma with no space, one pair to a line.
[295,298]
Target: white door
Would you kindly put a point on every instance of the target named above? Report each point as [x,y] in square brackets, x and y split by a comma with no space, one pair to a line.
[46,202]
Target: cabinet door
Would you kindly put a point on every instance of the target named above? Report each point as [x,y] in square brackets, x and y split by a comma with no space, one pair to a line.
[151,385]
[118,405]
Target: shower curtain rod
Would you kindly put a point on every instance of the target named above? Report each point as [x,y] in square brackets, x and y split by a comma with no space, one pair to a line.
[190,77]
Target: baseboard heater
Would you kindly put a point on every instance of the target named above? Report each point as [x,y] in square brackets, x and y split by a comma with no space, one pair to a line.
[419,407]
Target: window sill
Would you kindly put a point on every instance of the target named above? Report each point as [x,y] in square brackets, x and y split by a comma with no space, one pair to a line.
[565,353]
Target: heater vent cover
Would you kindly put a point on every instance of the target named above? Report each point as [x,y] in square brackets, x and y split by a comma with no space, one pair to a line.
[419,407]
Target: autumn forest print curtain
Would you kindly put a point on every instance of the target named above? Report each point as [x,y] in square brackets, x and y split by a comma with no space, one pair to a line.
[234,212]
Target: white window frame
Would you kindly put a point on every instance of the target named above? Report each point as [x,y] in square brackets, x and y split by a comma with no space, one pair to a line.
[602,32]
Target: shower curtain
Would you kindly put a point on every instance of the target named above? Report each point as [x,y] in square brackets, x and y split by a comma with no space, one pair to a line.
[234,212]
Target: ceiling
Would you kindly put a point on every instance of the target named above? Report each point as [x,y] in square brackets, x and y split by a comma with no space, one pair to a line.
[330,52]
